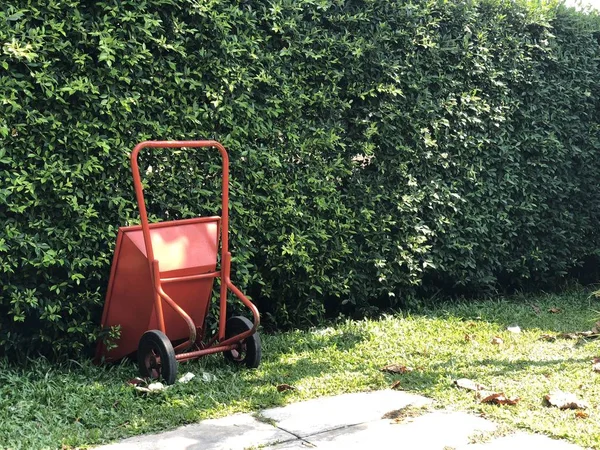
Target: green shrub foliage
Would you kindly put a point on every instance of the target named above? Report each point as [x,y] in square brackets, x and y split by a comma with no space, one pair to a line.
[380,149]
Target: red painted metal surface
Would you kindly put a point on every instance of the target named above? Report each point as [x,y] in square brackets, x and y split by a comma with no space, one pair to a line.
[162,274]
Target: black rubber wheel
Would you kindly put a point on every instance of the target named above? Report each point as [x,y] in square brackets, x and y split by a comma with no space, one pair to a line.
[248,351]
[156,357]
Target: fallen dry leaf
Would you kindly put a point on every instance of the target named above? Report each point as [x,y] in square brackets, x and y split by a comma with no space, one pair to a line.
[554,310]
[596,360]
[496,398]
[152,387]
[470,385]
[547,337]
[581,414]
[497,340]
[136,381]
[285,387]
[596,367]
[396,385]
[536,309]
[394,415]
[403,415]
[396,368]
[565,400]
[579,334]
[569,335]
[468,337]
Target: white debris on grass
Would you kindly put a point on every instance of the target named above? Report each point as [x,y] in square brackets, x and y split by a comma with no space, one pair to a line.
[514,328]
[207,377]
[186,378]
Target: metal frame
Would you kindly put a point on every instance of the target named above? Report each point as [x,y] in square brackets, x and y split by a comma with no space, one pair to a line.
[217,343]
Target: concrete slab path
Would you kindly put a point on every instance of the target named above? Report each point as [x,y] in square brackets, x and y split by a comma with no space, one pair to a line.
[349,421]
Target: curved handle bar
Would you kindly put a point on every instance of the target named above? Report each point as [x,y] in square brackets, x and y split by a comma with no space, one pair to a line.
[139,191]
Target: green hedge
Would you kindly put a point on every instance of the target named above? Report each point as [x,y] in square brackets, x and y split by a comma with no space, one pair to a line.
[381,149]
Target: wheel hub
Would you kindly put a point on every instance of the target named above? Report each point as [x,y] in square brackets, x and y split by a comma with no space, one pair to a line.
[239,352]
[152,361]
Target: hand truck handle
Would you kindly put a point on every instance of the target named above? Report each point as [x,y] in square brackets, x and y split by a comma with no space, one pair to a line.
[139,191]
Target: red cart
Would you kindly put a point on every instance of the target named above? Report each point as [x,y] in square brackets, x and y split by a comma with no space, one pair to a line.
[174,264]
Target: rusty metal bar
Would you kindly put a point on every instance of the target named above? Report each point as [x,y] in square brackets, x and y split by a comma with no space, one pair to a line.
[207,351]
[191,277]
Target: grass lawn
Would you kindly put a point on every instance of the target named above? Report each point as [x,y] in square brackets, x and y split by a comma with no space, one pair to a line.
[78,404]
